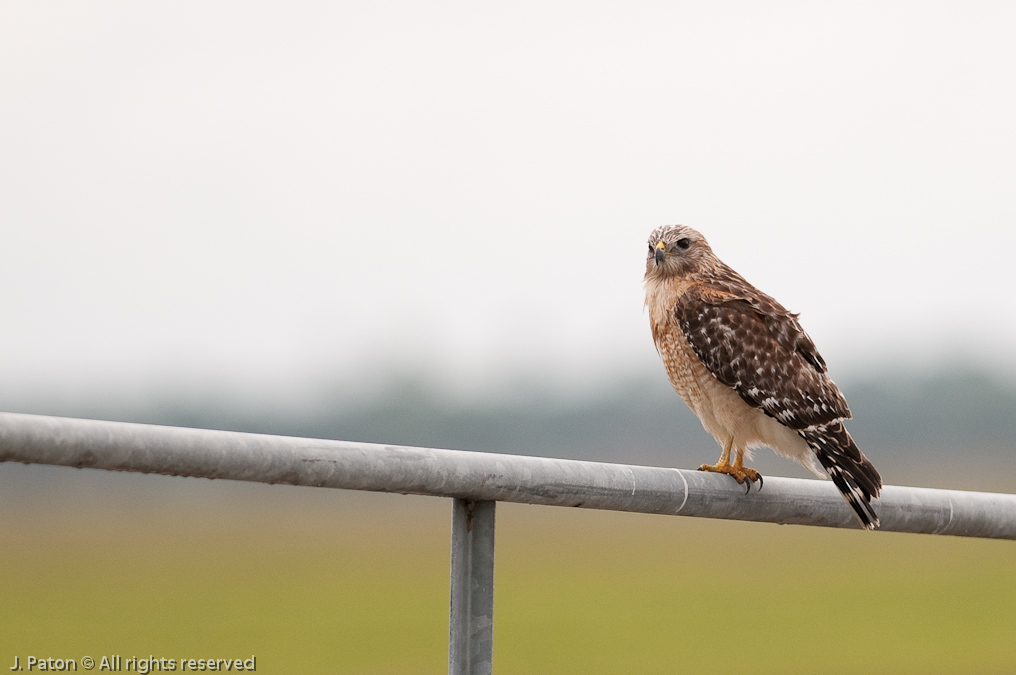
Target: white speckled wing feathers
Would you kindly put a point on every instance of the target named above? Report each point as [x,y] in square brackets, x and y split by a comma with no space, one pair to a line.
[745,366]
[759,349]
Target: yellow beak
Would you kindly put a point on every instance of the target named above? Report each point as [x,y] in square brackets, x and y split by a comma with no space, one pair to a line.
[661,252]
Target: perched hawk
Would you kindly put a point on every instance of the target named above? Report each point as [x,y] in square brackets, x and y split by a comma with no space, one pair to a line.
[747,369]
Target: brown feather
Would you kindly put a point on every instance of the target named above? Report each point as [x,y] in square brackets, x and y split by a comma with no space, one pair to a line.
[738,357]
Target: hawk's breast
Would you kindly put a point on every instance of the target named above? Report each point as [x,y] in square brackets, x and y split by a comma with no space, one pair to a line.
[721,409]
[712,401]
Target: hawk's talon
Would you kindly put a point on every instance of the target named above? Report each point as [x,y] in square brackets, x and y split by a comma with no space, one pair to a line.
[742,474]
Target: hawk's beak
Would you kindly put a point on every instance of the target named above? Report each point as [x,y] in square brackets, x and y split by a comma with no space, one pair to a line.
[661,252]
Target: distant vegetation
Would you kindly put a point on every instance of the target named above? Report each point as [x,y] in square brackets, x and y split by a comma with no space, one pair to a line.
[319,581]
[360,585]
[952,428]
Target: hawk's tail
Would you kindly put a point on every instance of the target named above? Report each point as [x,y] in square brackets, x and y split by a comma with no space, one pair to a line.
[850,470]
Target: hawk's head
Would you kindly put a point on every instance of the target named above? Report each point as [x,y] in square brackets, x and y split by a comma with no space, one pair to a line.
[676,250]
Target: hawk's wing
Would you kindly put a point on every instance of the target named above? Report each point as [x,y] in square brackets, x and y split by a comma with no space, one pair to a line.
[752,344]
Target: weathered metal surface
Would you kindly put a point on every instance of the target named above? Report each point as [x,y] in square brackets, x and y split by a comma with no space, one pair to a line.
[486,476]
[471,625]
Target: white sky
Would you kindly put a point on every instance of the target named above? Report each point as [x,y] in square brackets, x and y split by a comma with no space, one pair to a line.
[268,191]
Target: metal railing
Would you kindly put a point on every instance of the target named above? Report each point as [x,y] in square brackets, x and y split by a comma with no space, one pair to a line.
[476,481]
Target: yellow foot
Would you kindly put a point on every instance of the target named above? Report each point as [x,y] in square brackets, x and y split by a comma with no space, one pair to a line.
[740,473]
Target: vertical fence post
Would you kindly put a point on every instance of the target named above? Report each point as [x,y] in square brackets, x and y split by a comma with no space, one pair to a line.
[471,627]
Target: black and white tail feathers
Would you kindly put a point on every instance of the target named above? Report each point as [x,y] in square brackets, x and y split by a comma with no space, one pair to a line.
[852,473]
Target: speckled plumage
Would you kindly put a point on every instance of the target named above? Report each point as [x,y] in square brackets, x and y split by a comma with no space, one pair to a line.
[747,369]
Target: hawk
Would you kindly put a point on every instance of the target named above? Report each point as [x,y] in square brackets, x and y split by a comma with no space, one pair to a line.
[747,369]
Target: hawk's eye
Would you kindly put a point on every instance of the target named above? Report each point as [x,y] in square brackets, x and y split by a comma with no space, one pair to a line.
[650,247]
[683,243]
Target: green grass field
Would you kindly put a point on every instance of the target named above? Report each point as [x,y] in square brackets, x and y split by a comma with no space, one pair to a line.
[343,583]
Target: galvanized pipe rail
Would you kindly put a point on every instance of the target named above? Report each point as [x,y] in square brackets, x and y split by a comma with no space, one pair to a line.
[476,481]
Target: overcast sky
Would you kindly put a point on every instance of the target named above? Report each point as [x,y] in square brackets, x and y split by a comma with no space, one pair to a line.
[268,191]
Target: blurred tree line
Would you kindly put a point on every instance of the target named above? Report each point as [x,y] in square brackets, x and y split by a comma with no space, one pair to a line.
[943,429]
